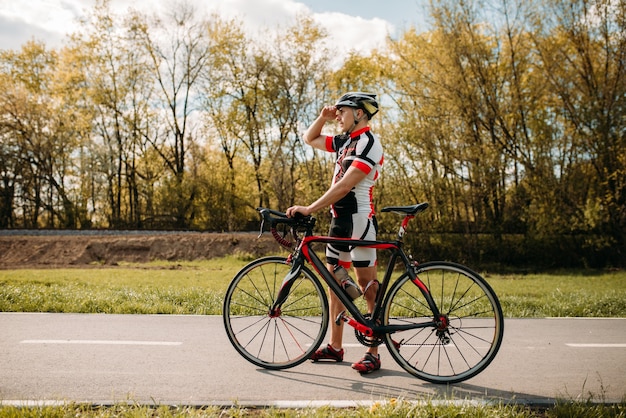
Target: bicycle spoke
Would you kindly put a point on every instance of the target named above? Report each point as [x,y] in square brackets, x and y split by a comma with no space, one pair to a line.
[289,327]
[420,301]
[287,335]
[465,335]
[256,334]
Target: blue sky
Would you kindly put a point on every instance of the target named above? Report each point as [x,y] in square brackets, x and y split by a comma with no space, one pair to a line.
[401,13]
[364,24]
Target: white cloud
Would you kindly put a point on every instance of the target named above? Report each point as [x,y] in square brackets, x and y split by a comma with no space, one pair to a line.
[46,20]
[51,20]
[354,33]
[260,13]
[50,15]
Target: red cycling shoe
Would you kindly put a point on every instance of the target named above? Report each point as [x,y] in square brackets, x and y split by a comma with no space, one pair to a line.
[367,364]
[328,353]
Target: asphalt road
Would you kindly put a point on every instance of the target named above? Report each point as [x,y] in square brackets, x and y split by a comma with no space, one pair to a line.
[188,360]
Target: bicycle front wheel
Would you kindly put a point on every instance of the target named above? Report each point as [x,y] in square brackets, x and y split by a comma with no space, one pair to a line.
[287,337]
[458,344]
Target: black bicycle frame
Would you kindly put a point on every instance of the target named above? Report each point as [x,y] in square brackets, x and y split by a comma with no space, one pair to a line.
[367,326]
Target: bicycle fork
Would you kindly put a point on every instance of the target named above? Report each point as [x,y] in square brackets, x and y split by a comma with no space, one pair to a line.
[285,288]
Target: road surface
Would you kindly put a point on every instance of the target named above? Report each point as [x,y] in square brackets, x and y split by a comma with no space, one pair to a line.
[188,360]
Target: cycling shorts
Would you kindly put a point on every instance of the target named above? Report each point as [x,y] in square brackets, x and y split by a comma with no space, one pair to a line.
[355,226]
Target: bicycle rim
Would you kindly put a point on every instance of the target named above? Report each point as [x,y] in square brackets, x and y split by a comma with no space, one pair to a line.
[274,341]
[470,328]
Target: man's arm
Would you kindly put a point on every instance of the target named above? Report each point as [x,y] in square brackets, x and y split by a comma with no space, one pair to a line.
[338,190]
[313,135]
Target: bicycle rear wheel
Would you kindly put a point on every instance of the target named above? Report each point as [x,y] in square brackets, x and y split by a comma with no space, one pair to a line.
[465,338]
[286,338]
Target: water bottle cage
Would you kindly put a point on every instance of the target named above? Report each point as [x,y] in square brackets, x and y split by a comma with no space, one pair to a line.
[351,288]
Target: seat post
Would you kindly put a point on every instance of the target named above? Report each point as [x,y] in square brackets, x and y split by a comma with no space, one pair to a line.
[403,226]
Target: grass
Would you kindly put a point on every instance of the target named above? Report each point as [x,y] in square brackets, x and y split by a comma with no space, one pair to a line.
[562,294]
[392,408]
[163,288]
[198,288]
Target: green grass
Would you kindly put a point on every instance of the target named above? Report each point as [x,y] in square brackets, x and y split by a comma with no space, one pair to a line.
[392,408]
[199,287]
[562,294]
[155,288]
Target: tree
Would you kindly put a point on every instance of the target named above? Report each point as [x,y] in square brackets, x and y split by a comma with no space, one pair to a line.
[36,130]
[179,51]
[220,91]
[11,165]
[297,71]
[583,51]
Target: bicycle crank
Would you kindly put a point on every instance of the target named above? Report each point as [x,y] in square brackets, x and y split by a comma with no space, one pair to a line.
[373,341]
[363,333]
[367,341]
[363,329]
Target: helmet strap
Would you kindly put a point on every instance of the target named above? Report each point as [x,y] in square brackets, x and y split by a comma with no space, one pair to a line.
[355,122]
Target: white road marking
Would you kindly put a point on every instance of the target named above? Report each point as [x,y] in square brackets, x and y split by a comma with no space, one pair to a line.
[102,342]
[302,404]
[596,345]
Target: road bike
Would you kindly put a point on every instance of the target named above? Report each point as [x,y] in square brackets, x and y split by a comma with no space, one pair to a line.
[440,321]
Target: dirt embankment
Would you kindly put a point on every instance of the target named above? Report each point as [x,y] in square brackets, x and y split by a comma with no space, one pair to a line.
[49,251]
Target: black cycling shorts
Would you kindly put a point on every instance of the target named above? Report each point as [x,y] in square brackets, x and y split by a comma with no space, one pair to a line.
[355,226]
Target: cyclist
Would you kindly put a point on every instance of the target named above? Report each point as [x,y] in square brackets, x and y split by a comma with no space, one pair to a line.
[359,160]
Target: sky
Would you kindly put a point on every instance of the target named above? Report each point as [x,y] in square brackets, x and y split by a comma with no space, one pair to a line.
[362,24]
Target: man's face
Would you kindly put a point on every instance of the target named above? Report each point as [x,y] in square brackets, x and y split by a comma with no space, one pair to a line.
[345,117]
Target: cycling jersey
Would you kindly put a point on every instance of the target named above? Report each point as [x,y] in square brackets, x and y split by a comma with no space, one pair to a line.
[364,151]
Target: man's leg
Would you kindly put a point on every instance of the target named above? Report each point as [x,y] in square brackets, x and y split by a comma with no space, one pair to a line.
[335,307]
[333,351]
[364,261]
[337,255]
[365,275]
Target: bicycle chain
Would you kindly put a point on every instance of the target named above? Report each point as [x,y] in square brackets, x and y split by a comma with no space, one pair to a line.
[374,341]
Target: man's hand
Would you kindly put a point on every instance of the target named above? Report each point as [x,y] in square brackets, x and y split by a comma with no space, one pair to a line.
[304,210]
[329,113]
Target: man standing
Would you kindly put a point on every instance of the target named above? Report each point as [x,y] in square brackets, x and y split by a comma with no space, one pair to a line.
[359,160]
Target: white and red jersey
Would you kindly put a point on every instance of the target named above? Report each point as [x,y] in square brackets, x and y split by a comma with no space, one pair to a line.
[360,149]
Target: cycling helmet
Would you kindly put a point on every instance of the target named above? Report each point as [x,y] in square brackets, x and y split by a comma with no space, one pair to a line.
[360,100]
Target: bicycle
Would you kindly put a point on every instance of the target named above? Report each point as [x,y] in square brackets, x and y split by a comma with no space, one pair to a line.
[440,321]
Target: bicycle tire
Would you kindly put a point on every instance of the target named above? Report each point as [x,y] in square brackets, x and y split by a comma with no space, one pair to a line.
[275,341]
[471,333]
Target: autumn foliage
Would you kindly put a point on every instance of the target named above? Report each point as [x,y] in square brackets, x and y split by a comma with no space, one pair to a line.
[507,117]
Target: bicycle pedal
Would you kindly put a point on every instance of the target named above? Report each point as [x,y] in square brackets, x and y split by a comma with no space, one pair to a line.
[341,317]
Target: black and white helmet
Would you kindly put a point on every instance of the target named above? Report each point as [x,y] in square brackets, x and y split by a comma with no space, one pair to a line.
[360,100]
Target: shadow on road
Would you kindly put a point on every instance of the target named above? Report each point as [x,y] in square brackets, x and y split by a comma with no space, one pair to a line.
[374,386]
